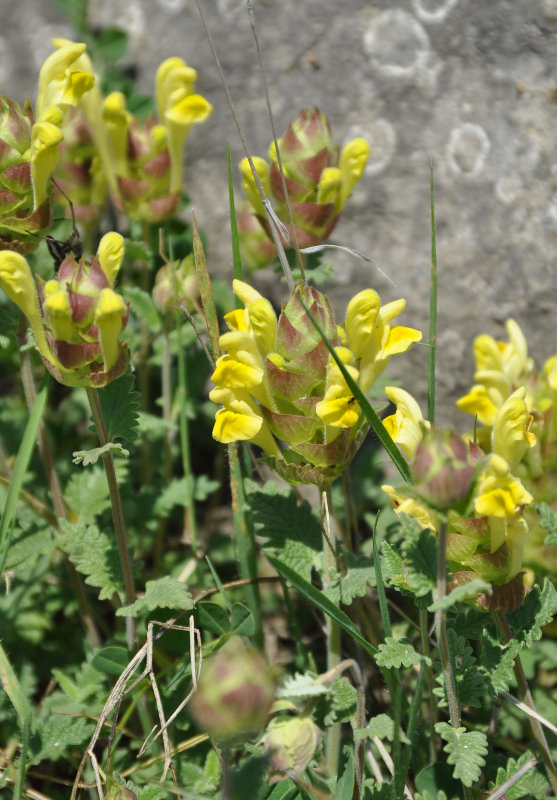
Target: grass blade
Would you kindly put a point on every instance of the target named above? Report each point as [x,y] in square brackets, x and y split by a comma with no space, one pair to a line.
[18,474]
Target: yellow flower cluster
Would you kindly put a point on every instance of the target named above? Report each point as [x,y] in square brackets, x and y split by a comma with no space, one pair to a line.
[278,382]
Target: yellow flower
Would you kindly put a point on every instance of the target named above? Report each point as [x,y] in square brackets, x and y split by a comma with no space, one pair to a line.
[407,425]
[511,435]
[498,493]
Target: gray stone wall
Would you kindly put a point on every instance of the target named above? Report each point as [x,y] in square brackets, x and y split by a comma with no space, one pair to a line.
[470,84]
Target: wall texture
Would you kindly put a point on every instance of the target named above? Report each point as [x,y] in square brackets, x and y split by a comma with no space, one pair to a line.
[470,84]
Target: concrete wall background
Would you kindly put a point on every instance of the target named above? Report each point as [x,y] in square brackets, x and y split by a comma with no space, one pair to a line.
[471,84]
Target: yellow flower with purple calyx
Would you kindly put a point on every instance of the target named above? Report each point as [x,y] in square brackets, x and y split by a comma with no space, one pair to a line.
[77,317]
[317,179]
[296,387]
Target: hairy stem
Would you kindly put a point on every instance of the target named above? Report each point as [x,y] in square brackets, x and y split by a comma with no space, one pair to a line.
[441,628]
[333,629]
[117,514]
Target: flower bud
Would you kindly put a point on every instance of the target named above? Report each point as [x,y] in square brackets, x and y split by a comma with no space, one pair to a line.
[175,284]
[22,223]
[234,693]
[317,180]
[291,744]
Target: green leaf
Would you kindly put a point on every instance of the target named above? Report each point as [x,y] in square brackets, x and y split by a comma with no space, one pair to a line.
[87,493]
[340,705]
[87,457]
[27,546]
[392,565]
[548,520]
[301,687]
[372,791]
[111,660]
[359,575]
[112,44]
[247,780]
[94,554]
[420,558]
[381,726]
[466,750]
[322,602]
[537,610]
[291,529]
[164,592]
[533,784]
[213,618]
[142,306]
[465,592]
[345,782]
[396,653]
[241,620]
[497,661]
[175,493]
[54,736]
[469,681]
[120,404]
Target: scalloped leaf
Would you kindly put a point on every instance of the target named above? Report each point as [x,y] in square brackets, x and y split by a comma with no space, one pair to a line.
[533,784]
[380,726]
[538,609]
[466,751]
[291,529]
[396,653]
[469,681]
[165,592]
[120,404]
[359,575]
[548,520]
[94,554]
[301,686]
[497,661]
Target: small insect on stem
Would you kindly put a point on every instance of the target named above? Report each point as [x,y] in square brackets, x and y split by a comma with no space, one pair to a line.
[60,249]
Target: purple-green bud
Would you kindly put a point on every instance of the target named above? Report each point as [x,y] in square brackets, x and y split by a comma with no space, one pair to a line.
[21,225]
[171,290]
[234,694]
[443,469]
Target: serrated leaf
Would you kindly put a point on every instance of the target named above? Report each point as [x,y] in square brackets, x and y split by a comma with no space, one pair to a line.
[340,703]
[498,661]
[462,593]
[120,403]
[27,546]
[53,736]
[533,784]
[396,653]
[381,726]
[374,791]
[392,566]
[537,610]
[301,687]
[469,682]
[143,308]
[466,751]
[420,559]
[94,554]
[87,494]
[548,520]
[175,493]
[164,592]
[359,575]
[87,457]
[291,529]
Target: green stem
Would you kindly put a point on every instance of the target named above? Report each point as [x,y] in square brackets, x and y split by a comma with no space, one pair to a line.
[441,628]
[537,729]
[45,451]
[245,541]
[117,514]
[333,628]
[185,442]
[166,386]
[433,717]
